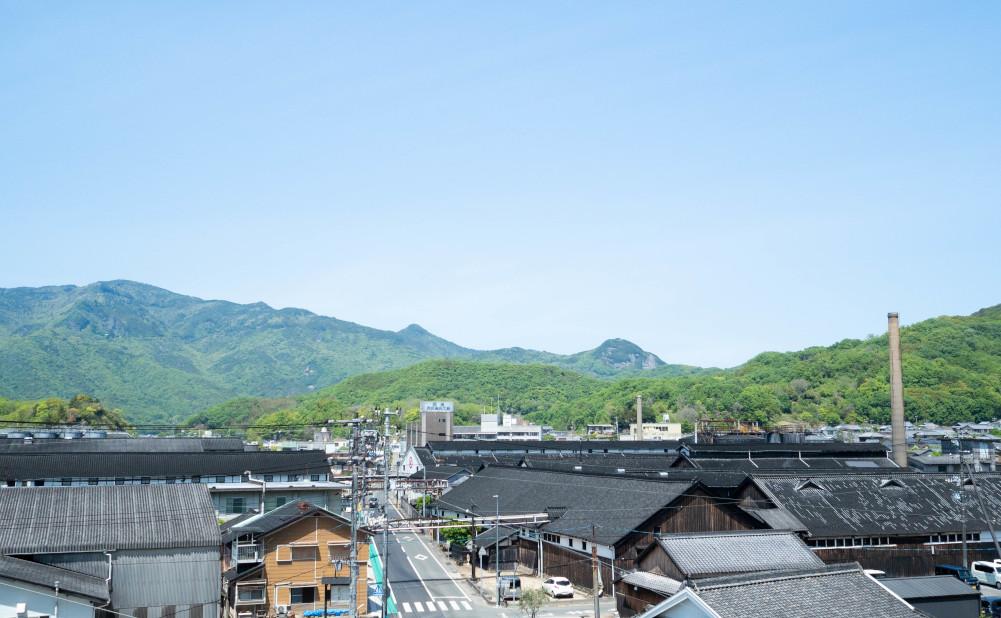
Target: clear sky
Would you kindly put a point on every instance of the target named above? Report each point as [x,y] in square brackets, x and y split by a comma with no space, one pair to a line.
[709,180]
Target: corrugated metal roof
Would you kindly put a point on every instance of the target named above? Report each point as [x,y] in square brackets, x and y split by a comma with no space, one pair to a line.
[31,466]
[698,555]
[36,520]
[928,587]
[44,575]
[836,591]
[651,581]
[123,445]
[276,518]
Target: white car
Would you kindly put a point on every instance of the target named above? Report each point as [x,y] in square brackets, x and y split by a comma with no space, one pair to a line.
[558,587]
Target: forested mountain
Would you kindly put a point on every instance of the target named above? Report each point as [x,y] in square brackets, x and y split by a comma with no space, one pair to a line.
[952,372]
[163,356]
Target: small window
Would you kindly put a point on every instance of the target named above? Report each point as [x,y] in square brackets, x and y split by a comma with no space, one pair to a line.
[583,544]
[196,479]
[303,595]
[308,553]
[314,477]
[269,478]
[40,483]
[92,481]
[569,542]
[220,479]
[293,477]
[171,480]
[144,480]
[66,482]
[119,481]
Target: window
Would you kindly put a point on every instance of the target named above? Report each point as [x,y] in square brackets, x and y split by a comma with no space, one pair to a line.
[268,478]
[66,482]
[304,595]
[314,477]
[92,481]
[339,593]
[983,568]
[339,551]
[220,479]
[196,479]
[293,477]
[583,544]
[235,505]
[171,480]
[307,553]
[144,480]
[119,481]
[40,483]
[569,544]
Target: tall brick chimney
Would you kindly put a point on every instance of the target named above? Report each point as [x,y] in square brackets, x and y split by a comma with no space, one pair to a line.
[899,436]
[639,417]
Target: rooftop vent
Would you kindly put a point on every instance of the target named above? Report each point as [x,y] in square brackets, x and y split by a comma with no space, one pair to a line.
[892,483]
[810,484]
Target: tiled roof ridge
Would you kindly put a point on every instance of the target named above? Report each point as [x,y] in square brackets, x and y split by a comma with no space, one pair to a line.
[760,577]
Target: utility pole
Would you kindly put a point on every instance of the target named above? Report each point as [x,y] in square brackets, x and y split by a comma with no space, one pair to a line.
[473,557]
[497,550]
[595,573]
[385,508]
[983,510]
[357,459]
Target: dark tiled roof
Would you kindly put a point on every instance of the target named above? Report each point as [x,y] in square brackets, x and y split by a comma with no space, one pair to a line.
[44,575]
[158,464]
[490,536]
[37,520]
[837,591]
[867,504]
[811,449]
[704,554]
[439,472]
[932,586]
[614,505]
[760,464]
[124,445]
[584,446]
[653,582]
[276,518]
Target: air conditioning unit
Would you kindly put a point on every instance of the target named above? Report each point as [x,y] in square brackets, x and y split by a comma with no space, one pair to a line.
[281,610]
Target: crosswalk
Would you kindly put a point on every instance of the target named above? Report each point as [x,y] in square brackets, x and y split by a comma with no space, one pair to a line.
[438,605]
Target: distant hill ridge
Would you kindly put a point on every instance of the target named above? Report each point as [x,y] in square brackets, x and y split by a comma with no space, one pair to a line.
[163,356]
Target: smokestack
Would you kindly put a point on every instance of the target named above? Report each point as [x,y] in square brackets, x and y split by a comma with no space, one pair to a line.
[899,437]
[639,417]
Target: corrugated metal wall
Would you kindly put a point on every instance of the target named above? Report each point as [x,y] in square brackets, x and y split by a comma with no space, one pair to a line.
[158,577]
[95,564]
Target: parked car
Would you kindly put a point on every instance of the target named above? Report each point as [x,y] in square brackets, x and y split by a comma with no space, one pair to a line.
[961,573]
[991,606]
[510,587]
[558,587]
[987,573]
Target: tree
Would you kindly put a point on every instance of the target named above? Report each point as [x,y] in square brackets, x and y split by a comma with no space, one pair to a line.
[531,601]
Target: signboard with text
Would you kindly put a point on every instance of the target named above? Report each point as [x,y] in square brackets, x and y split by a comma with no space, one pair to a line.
[436,406]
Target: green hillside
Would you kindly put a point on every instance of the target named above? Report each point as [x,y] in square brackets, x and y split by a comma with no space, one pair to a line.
[952,372]
[81,410]
[162,356]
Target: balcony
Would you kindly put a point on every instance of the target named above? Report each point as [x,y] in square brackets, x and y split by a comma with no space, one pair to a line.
[250,594]
[249,552]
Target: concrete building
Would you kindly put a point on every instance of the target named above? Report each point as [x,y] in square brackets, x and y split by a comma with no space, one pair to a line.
[664,430]
[505,427]
[148,551]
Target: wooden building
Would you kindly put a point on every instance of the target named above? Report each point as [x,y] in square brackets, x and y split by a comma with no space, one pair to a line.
[285,556]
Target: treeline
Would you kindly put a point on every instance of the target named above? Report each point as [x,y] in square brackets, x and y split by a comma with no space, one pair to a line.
[82,410]
[952,373]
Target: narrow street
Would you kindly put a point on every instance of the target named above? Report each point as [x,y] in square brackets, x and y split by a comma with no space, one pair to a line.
[422,585]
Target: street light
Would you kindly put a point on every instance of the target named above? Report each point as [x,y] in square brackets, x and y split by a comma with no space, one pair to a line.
[497,549]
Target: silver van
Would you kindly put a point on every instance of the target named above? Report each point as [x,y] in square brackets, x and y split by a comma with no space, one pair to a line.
[987,573]
[510,587]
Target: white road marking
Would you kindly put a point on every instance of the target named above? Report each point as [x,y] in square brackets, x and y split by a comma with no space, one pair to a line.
[442,567]
[454,604]
[406,607]
[466,605]
[419,606]
[419,578]
[420,557]
[442,606]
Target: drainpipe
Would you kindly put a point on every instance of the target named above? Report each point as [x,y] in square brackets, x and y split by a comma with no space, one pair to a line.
[264,487]
[55,610]
[107,582]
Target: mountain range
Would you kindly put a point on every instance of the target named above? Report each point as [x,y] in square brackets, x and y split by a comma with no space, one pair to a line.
[161,356]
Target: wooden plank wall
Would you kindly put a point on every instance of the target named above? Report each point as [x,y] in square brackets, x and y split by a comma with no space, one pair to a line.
[905,561]
[564,562]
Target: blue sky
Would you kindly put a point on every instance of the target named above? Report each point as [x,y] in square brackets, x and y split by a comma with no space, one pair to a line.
[709,180]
